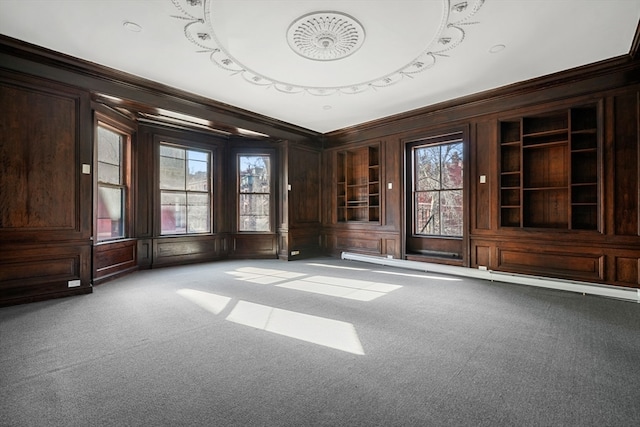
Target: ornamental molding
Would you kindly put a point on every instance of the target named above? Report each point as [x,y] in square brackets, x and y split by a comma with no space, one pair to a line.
[325,36]
[313,36]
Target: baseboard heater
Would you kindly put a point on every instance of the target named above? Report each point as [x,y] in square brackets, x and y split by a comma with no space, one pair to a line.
[628,294]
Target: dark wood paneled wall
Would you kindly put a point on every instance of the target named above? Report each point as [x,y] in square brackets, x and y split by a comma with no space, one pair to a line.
[610,254]
[46,131]
[45,232]
[301,191]
[46,199]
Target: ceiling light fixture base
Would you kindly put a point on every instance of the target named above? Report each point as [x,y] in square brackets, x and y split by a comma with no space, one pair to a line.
[325,36]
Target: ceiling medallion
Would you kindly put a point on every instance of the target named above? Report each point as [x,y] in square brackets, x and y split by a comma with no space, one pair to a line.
[325,36]
[199,30]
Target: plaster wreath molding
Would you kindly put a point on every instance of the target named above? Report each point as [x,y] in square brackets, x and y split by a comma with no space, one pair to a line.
[322,43]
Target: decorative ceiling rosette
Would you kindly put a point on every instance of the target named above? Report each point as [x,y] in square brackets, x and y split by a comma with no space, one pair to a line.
[327,36]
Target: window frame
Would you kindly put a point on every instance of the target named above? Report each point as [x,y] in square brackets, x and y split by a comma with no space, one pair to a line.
[186,146]
[127,132]
[441,188]
[272,190]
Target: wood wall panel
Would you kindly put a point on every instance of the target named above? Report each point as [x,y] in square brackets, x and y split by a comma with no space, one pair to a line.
[45,200]
[45,139]
[182,250]
[391,173]
[305,181]
[41,150]
[569,265]
[481,256]
[40,270]
[627,270]
[254,246]
[359,244]
[144,253]
[625,174]
[482,150]
[167,248]
[143,179]
[305,241]
[391,247]
[36,273]
[111,259]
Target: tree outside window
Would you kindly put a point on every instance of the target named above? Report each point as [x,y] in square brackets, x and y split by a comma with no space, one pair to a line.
[438,182]
[254,188]
[185,190]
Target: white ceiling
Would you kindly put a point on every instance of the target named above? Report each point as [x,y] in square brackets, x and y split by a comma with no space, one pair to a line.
[539,37]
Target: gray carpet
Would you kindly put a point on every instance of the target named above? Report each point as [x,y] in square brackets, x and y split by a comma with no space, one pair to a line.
[318,342]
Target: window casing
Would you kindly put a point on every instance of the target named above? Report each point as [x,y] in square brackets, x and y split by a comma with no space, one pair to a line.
[112,146]
[438,203]
[185,190]
[254,192]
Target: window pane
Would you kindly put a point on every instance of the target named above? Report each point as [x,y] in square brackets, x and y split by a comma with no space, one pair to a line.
[255,174]
[427,211]
[172,168]
[198,213]
[109,156]
[198,155]
[174,152]
[451,212]
[109,146]
[109,174]
[173,208]
[427,164]
[438,207]
[110,215]
[198,177]
[452,166]
[254,212]
[187,207]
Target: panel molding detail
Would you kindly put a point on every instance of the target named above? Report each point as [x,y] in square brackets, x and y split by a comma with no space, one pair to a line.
[562,264]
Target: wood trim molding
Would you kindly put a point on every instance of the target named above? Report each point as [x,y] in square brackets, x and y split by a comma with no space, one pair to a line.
[139,92]
[611,73]
[634,52]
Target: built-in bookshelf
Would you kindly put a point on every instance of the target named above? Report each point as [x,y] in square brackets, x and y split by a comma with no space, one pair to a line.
[358,184]
[549,170]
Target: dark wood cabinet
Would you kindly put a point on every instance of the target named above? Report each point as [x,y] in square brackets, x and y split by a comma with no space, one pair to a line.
[549,167]
[358,184]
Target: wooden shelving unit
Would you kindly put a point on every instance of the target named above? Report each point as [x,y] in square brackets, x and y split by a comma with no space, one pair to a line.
[358,185]
[584,171]
[510,173]
[549,170]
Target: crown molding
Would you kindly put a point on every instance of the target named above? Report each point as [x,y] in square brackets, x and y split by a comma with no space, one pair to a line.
[634,52]
[144,93]
[608,74]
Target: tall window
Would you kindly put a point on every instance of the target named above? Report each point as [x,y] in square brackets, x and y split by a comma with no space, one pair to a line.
[112,183]
[185,190]
[437,194]
[254,198]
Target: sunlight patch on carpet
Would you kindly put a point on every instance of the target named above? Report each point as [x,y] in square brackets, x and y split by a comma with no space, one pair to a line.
[314,329]
[359,290]
[210,302]
[264,276]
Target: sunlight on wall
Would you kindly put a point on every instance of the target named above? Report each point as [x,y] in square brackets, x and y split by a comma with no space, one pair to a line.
[314,329]
[210,302]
